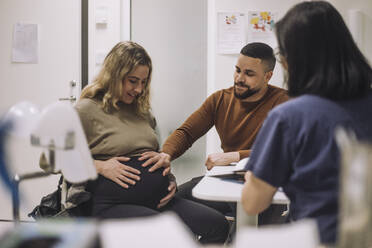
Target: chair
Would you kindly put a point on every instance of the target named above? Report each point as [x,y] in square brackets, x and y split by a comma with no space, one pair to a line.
[232,227]
[355,213]
[165,230]
[58,129]
[302,234]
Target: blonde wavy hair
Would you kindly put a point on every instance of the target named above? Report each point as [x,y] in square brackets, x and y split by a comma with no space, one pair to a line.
[123,58]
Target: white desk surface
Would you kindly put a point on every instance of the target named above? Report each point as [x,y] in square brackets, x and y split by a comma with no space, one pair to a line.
[216,189]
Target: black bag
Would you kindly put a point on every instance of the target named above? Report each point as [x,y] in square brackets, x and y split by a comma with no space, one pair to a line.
[50,205]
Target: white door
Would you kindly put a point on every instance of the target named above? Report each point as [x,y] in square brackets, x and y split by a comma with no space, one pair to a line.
[59,62]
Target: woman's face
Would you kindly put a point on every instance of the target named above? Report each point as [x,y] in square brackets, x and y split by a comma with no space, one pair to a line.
[134,83]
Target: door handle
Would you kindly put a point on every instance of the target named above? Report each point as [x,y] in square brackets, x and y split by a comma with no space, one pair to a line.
[71,99]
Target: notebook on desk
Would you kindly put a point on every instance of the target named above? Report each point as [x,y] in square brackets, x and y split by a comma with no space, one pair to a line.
[233,171]
[236,175]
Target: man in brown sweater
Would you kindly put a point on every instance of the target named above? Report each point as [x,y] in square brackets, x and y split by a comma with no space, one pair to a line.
[237,113]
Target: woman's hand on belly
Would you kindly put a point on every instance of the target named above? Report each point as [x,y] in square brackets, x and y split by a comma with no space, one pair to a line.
[172,190]
[158,159]
[117,172]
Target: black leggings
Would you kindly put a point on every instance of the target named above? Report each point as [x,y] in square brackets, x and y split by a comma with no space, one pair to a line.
[210,225]
[110,200]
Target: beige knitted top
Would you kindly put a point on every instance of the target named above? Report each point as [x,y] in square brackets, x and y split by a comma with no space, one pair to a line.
[120,133]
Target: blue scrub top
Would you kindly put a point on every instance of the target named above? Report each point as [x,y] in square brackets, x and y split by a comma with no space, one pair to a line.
[296,150]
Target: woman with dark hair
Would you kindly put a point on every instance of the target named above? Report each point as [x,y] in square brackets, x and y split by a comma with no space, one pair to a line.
[329,80]
[120,130]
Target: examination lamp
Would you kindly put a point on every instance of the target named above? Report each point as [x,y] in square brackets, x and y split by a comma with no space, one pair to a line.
[56,128]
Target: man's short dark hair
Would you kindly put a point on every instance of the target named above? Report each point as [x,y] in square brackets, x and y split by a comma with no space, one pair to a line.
[261,51]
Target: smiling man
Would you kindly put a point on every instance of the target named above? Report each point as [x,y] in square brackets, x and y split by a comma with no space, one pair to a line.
[237,113]
[252,75]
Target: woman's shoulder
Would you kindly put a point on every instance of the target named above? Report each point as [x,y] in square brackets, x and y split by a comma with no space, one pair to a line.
[301,103]
[311,109]
[87,104]
[300,108]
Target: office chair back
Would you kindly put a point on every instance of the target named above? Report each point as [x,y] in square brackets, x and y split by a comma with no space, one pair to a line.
[302,234]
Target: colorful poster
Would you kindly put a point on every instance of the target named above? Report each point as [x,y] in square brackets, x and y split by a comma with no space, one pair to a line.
[261,27]
[231,33]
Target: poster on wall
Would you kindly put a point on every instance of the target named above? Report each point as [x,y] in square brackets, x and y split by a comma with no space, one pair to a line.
[261,27]
[231,32]
[25,43]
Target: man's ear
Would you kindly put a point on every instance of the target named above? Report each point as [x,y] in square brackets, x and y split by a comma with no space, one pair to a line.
[268,76]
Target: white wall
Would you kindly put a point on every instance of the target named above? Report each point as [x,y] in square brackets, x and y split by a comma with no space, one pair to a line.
[102,36]
[174,34]
[365,7]
[41,83]
[221,67]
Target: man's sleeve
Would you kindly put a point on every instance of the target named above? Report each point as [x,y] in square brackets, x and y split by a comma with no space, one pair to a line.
[196,125]
[282,98]
[272,152]
[244,154]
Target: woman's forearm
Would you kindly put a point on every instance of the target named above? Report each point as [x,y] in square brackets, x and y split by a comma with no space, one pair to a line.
[99,166]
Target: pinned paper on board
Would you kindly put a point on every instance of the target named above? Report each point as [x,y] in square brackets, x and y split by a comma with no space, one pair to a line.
[25,43]
[231,32]
[261,27]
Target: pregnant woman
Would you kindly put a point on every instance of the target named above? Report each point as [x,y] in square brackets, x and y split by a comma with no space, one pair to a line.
[115,114]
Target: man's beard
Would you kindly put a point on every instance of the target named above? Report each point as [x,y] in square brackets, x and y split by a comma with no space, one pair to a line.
[247,93]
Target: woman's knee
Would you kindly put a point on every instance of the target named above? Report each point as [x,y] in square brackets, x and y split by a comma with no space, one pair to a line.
[210,224]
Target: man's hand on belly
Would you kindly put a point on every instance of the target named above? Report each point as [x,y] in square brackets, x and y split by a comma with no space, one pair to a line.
[158,159]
